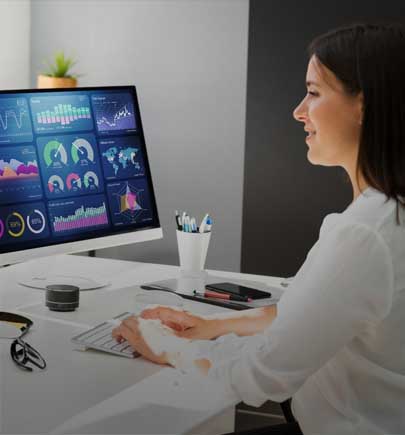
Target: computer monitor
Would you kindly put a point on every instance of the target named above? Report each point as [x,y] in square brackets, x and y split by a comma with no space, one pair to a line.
[74,172]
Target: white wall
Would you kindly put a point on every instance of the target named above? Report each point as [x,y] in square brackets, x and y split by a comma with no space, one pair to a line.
[188,59]
[14,44]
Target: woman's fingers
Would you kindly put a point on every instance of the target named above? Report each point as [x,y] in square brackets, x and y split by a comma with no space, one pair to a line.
[177,320]
[132,324]
[158,313]
[127,329]
[116,334]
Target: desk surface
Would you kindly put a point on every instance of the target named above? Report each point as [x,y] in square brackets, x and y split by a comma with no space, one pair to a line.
[93,392]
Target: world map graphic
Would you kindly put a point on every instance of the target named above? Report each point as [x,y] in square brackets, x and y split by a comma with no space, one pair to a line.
[122,158]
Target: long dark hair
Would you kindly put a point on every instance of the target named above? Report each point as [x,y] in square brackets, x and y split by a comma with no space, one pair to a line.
[370,58]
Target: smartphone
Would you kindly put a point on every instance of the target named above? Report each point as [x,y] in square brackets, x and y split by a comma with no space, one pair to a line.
[240,290]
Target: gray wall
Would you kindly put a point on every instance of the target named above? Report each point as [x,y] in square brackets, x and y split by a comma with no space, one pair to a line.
[286,197]
[188,59]
[14,44]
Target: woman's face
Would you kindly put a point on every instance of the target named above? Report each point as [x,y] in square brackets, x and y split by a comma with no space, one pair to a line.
[331,117]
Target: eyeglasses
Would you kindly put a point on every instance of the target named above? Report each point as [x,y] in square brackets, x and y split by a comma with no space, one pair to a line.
[14,326]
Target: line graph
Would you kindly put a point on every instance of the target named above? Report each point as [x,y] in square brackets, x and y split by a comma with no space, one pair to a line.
[114,120]
[18,119]
[114,112]
[15,123]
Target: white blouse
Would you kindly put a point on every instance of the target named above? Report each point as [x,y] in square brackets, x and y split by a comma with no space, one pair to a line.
[337,345]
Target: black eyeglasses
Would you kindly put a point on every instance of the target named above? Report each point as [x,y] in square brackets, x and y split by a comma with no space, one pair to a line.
[14,326]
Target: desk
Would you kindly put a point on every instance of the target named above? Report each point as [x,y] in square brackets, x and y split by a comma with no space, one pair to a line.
[93,392]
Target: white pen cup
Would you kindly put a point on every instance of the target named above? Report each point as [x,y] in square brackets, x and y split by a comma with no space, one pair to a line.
[193,248]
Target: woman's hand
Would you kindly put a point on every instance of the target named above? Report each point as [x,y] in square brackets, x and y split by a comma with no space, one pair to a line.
[185,325]
[129,330]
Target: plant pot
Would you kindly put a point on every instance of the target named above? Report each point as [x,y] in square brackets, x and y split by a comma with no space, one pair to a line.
[44,82]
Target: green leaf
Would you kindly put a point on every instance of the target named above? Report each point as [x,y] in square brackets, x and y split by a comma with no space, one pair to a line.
[61,67]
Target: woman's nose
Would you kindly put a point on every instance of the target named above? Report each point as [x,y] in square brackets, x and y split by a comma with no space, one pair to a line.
[300,113]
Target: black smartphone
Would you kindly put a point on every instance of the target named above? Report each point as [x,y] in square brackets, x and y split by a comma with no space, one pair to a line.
[240,290]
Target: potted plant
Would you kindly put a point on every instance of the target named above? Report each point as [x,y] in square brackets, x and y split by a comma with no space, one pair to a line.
[59,73]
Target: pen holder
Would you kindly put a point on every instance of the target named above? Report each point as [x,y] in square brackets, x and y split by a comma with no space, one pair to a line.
[193,249]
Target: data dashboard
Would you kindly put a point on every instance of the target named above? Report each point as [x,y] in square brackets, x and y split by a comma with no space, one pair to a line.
[73,166]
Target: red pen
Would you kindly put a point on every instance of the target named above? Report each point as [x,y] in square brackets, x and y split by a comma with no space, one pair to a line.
[227,296]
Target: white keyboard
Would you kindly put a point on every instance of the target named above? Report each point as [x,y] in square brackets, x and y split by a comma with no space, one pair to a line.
[100,338]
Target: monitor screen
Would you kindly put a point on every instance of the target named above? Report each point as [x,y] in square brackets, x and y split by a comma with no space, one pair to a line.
[73,167]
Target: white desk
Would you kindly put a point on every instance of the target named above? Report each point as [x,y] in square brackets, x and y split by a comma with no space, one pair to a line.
[93,392]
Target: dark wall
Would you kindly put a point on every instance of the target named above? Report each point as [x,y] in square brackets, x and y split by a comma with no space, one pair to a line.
[285,197]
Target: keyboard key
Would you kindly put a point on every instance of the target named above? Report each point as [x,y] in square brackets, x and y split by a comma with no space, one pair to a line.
[100,338]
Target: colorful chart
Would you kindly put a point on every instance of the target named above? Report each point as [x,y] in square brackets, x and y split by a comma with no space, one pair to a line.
[15,224]
[78,214]
[15,123]
[55,154]
[82,150]
[73,182]
[56,184]
[36,221]
[19,174]
[129,202]
[65,160]
[23,223]
[91,180]
[61,113]
[114,112]
[122,157]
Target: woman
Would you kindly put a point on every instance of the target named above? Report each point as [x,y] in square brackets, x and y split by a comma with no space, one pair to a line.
[336,340]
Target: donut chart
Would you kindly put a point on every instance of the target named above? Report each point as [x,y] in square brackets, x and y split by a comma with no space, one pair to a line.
[90,179]
[23,223]
[64,161]
[56,182]
[36,221]
[15,225]
[81,148]
[73,180]
[54,151]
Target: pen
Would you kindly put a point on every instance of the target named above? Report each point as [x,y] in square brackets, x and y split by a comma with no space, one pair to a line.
[226,296]
[193,225]
[179,227]
[203,223]
[209,224]
[187,224]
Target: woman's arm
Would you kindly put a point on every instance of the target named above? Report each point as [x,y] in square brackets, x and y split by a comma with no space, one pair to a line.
[187,325]
[243,323]
[345,289]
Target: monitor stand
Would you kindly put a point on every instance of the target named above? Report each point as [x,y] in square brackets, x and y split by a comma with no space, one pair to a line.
[41,281]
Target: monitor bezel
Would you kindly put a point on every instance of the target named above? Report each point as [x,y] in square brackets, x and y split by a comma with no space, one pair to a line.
[124,237]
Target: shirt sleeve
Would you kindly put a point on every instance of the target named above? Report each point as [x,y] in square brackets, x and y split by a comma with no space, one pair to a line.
[345,287]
